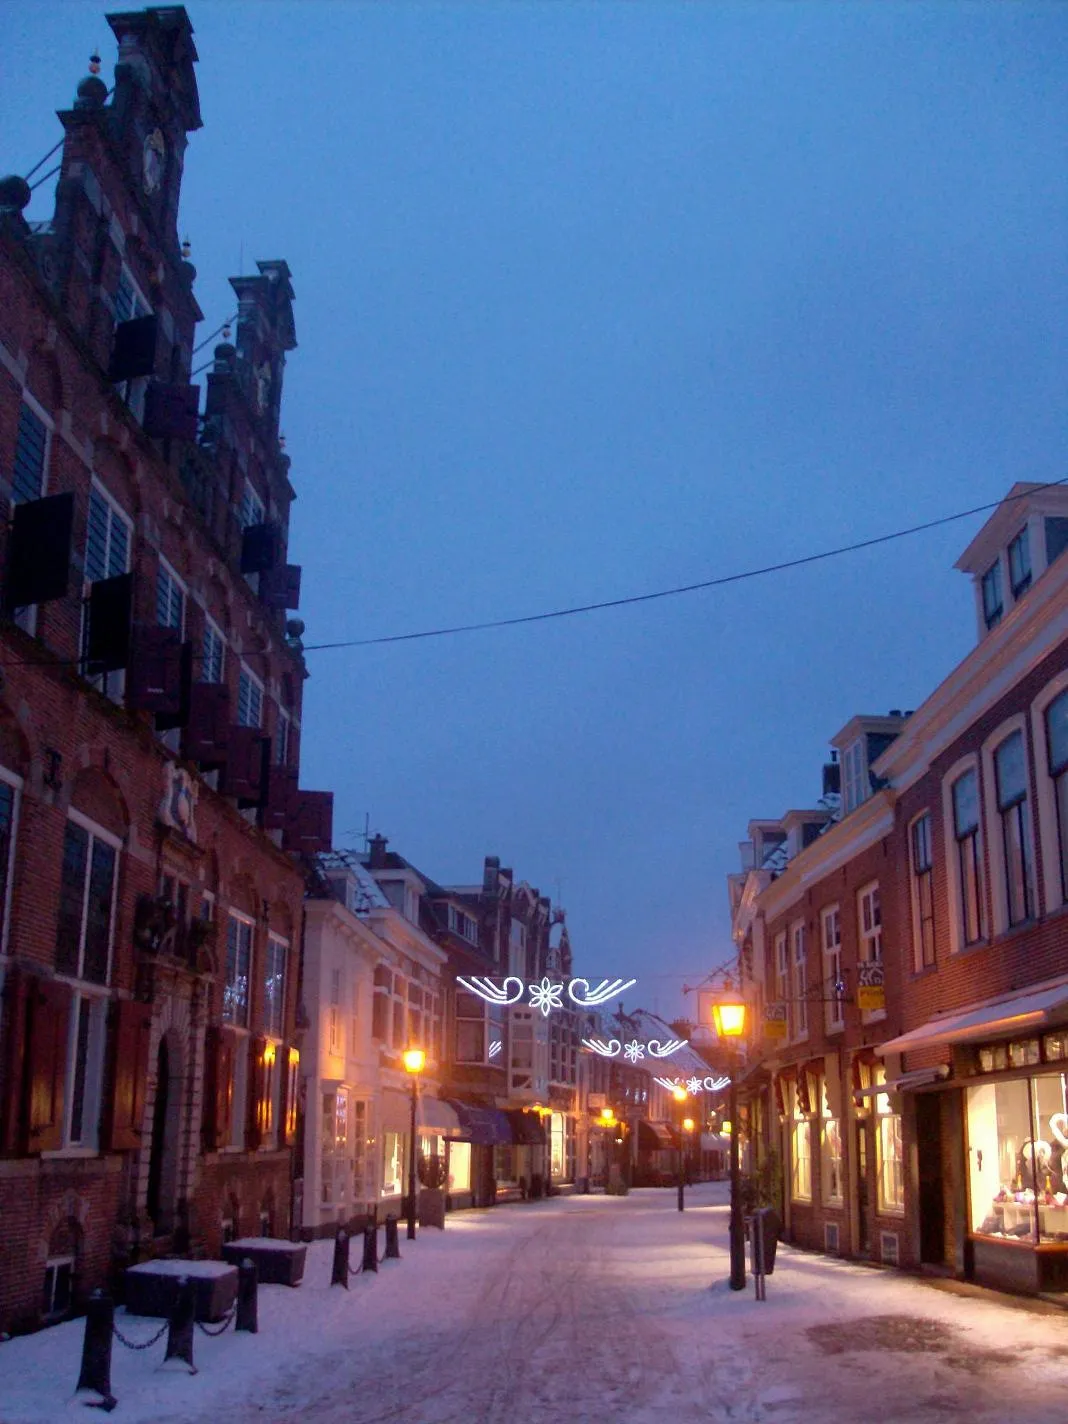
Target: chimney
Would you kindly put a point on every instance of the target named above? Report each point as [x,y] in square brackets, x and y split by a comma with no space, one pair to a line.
[490,869]
[378,852]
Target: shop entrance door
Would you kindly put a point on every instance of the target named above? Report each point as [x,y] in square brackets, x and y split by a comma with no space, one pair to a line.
[929,1160]
[863,1214]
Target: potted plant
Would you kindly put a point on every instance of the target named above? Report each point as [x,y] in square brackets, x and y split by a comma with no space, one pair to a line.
[433,1178]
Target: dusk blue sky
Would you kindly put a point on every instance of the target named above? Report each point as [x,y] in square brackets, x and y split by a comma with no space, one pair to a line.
[594,299]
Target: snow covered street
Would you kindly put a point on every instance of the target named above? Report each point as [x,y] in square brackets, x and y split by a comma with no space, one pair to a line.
[581,1308]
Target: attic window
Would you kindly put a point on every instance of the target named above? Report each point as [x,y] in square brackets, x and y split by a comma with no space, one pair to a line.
[993,604]
[1020,564]
[855,787]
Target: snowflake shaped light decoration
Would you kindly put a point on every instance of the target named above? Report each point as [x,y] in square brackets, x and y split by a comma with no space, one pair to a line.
[694,1085]
[546,996]
[634,1051]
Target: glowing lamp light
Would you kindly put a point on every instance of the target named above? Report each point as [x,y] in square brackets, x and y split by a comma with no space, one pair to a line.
[269,1055]
[414,1060]
[678,1092]
[608,1117]
[687,1124]
[729,1019]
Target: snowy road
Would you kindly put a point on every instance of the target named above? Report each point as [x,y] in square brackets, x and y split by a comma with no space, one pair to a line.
[584,1308]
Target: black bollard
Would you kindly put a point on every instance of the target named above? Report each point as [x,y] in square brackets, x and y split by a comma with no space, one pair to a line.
[392,1240]
[370,1247]
[247,1277]
[340,1274]
[96,1349]
[180,1329]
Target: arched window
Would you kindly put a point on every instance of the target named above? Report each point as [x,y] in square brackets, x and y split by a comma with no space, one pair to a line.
[1010,776]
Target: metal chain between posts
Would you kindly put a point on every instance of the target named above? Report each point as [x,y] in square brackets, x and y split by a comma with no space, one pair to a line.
[132,1344]
[355,1270]
[227,1318]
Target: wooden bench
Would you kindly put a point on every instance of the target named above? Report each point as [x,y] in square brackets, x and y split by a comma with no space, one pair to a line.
[151,1287]
[278,1262]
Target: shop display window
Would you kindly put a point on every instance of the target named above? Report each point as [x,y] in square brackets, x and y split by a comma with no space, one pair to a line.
[460,1167]
[1018,1150]
[888,1147]
[831,1164]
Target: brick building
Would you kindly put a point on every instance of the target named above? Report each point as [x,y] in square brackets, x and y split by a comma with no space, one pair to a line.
[905,952]
[150,709]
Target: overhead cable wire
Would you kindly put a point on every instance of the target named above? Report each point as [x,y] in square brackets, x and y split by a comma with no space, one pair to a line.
[484,624]
[228,322]
[44,160]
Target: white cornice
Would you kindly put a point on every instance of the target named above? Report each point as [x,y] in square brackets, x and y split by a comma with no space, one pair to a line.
[1029,633]
[869,823]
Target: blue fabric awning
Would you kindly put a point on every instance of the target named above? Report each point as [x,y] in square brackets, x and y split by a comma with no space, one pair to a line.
[482,1126]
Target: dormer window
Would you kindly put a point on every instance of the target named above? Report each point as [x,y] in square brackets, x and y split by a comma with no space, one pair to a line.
[463,925]
[993,603]
[1020,564]
[855,776]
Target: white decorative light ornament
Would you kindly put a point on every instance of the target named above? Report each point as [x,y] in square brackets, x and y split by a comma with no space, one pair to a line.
[546,994]
[634,1051]
[694,1085]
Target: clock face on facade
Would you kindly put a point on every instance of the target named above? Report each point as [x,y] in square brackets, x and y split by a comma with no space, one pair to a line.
[152,161]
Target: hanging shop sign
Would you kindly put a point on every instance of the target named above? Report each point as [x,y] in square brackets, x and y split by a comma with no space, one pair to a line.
[634,1051]
[694,1085]
[871,991]
[546,994]
[775,1020]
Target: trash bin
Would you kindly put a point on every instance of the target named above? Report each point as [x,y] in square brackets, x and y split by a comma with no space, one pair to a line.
[765,1239]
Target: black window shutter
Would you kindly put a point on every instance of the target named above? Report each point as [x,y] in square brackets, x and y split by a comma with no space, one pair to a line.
[153,680]
[280,586]
[246,765]
[261,547]
[180,716]
[310,829]
[171,411]
[107,644]
[38,556]
[279,798]
[207,732]
[134,351]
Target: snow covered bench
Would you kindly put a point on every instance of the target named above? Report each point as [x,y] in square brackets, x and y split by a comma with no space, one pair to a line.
[152,1286]
[278,1262]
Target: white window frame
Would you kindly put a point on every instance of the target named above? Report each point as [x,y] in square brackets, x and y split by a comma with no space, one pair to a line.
[242,919]
[782,971]
[239,1101]
[253,509]
[800,1127]
[870,942]
[914,895]
[1019,589]
[283,729]
[26,618]
[97,998]
[1053,893]
[831,946]
[213,636]
[990,817]
[888,1204]
[165,573]
[111,684]
[949,840]
[133,392]
[247,676]
[276,944]
[799,979]
[97,832]
[854,775]
[993,617]
[11,779]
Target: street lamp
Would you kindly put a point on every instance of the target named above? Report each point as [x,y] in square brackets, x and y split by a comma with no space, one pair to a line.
[414,1063]
[729,1018]
[678,1092]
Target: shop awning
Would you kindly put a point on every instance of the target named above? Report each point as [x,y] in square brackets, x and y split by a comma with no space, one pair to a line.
[482,1126]
[527,1127]
[1022,1013]
[433,1114]
[655,1136]
[438,1116]
[905,1082]
[715,1142]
